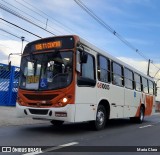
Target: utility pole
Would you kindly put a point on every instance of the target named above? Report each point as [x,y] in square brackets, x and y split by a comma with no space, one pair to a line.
[149,61]
[22,38]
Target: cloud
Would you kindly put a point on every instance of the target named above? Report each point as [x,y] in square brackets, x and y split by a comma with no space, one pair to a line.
[7,47]
[141,66]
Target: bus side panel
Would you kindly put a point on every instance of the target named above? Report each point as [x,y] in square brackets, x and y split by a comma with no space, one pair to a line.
[116,101]
[132,102]
[85,102]
[149,103]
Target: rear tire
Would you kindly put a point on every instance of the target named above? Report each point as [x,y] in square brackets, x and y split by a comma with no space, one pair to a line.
[57,123]
[140,118]
[101,117]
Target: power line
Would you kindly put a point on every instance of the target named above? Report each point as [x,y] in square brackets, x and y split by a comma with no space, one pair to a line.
[49,18]
[42,12]
[11,34]
[21,28]
[106,26]
[5,8]
[29,15]
[31,9]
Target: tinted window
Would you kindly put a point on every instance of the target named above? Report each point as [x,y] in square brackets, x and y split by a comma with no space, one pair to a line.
[103,69]
[128,75]
[137,82]
[117,78]
[145,85]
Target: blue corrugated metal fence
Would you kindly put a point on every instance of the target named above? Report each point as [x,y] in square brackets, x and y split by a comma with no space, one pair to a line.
[8,85]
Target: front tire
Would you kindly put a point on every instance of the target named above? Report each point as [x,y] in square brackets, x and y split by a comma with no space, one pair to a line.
[101,117]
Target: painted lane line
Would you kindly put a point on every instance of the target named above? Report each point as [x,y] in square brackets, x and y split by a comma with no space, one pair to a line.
[145,126]
[53,148]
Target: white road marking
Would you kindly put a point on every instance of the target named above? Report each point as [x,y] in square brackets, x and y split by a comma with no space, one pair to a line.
[145,126]
[53,148]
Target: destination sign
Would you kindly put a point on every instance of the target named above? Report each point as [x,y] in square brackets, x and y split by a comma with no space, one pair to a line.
[47,45]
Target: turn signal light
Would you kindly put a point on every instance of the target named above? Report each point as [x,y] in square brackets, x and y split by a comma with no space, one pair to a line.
[64,101]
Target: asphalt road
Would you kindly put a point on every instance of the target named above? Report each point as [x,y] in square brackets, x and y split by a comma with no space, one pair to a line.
[81,137]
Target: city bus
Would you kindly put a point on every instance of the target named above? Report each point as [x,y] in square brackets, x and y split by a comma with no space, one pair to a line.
[67,79]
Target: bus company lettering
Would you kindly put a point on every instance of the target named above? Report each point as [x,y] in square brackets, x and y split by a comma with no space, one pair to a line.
[103,86]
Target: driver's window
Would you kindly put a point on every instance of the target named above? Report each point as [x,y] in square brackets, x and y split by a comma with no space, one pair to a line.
[88,69]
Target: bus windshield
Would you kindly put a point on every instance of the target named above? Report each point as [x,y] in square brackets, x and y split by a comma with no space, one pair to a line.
[46,71]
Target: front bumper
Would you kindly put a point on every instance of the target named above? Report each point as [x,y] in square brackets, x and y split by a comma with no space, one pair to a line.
[47,113]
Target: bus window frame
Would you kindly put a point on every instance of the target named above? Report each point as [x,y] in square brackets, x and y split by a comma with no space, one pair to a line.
[152,88]
[122,72]
[133,85]
[108,70]
[143,85]
[81,79]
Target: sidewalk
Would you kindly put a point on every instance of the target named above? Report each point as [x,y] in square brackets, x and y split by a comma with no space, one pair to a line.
[8,117]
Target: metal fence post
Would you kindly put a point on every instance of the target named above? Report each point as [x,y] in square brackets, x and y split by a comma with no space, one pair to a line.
[11,85]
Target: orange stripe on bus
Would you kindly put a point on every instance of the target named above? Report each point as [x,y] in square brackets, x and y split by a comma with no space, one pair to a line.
[148,105]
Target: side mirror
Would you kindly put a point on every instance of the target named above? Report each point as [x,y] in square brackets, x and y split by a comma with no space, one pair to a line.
[84,57]
[83,54]
[78,62]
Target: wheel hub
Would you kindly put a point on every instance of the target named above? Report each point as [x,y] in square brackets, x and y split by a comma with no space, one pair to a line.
[100,117]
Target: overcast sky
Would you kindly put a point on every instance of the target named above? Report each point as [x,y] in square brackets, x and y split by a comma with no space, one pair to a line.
[135,20]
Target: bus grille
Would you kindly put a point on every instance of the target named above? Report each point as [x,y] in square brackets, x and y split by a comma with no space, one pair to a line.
[38,112]
[40,104]
[40,97]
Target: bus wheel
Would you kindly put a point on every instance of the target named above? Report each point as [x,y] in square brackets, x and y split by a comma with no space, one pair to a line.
[100,121]
[140,118]
[141,115]
[57,123]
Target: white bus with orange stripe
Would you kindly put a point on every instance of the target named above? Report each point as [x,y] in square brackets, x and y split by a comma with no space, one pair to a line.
[67,79]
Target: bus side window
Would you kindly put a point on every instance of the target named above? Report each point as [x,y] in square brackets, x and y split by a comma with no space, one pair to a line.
[151,88]
[137,79]
[117,77]
[128,75]
[145,85]
[103,69]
